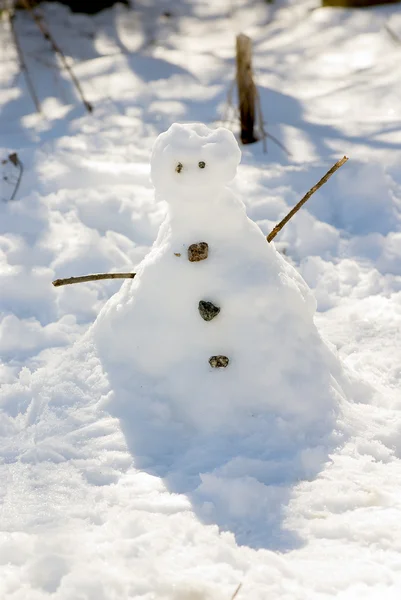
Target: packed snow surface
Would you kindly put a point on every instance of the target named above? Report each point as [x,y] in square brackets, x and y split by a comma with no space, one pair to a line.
[118,480]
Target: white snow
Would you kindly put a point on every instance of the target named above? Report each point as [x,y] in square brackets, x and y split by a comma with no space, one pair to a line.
[107,492]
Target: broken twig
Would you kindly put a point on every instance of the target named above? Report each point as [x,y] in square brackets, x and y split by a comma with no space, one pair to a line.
[94,277]
[296,208]
[56,48]
[14,160]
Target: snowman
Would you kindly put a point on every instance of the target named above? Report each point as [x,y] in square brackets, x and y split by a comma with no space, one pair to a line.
[216,330]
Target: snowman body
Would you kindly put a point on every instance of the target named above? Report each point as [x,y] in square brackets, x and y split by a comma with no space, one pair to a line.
[278,370]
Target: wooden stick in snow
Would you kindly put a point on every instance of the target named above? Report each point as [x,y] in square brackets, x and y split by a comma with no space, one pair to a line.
[296,208]
[94,277]
[246,89]
[56,48]
[22,63]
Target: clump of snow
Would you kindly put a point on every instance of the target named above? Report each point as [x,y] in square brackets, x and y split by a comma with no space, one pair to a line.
[280,380]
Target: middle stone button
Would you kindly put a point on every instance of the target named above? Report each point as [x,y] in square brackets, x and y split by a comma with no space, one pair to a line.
[208,310]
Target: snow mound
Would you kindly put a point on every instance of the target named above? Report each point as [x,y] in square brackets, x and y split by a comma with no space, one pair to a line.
[280,381]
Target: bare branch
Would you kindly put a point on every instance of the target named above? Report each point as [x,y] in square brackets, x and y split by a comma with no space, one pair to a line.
[22,63]
[56,48]
[296,208]
[94,277]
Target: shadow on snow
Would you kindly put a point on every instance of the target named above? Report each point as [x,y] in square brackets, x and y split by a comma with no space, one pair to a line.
[242,483]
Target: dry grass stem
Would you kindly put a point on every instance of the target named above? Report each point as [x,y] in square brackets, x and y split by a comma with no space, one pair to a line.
[56,48]
[22,63]
[11,179]
[261,122]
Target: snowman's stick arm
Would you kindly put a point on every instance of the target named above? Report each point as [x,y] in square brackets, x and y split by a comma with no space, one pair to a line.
[94,277]
[296,208]
[270,237]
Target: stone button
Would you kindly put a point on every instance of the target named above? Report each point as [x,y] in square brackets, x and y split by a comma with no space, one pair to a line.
[218,362]
[208,310]
[197,252]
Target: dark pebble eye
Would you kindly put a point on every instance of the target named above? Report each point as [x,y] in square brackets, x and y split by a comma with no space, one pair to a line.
[201,164]
[179,168]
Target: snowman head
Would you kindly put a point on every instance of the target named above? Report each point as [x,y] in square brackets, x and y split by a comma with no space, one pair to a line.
[193,157]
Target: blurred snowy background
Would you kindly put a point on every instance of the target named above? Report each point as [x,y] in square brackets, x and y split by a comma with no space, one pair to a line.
[77,520]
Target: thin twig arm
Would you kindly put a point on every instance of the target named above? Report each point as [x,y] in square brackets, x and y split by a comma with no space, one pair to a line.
[94,277]
[270,237]
[296,208]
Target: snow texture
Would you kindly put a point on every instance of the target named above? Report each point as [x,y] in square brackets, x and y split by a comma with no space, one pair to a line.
[109,492]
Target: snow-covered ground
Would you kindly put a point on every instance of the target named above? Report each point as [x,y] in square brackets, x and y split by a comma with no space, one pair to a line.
[99,505]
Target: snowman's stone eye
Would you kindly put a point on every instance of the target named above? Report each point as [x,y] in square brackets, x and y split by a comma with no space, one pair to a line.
[201,164]
[179,168]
